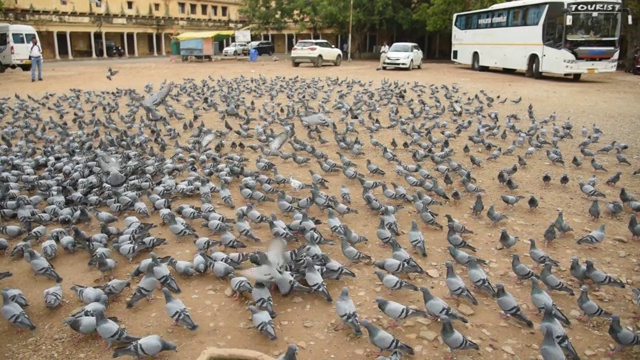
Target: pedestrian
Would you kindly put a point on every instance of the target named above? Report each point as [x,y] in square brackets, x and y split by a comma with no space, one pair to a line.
[175,47]
[383,54]
[35,55]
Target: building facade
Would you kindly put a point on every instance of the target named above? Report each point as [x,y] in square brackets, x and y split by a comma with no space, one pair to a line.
[87,28]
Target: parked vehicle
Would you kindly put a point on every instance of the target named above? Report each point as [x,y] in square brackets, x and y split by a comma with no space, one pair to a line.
[317,52]
[636,63]
[236,49]
[15,46]
[263,47]
[403,55]
[112,49]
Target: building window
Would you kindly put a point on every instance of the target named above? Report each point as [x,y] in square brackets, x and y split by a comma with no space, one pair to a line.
[203,9]
[193,9]
[181,8]
[156,7]
[129,5]
[214,10]
[223,11]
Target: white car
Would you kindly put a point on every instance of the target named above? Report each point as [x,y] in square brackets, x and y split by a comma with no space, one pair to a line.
[403,55]
[236,49]
[317,52]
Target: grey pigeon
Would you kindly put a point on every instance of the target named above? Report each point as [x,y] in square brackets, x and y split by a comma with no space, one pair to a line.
[81,324]
[14,314]
[290,354]
[177,311]
[578,271]
[550,323]
[397,311]
[417,239]
[621,335]
[42,267]
[600,278]
[263,322]
[522,271]
[552,282]
[53,297]
[351,253]
[115,287]
[384,340]
[549,349]
[507,241]
[111,332]
[346,310]
[456,286]
[436,307]
[593,238]
[144,289]
[393,282]
[262,298]
[542,300]
[88,294]
[148,346]
[509,305]
[453,339]
[479,278]
[539,256]
[589,308]
[315,281]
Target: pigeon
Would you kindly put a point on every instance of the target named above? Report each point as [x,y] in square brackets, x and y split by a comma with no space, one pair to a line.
[392,282]
[495,216]
[397,311]
[53,297]
[115,287]
[13,313]
[549,349]
[552,282]
[111,332]
[290,354]
[456,286]
[177,311]
[621,335]
[590,191]
[263,322]
[593,238]
[17,296]
[539,256]
[453,339]
[145,288]
[594,210]
[111,73]
[436,307]
[42,267]
[385,341]
[522,271]
[346,310]
[541,299]
[600,278]
[81,324]
[589,308]
[351,253]
[417,239]
[148,346]
[507,241]
[550,323]
[596,165]
[509,305]
[479,278]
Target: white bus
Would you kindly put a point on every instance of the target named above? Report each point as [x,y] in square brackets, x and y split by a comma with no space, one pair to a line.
[570,38]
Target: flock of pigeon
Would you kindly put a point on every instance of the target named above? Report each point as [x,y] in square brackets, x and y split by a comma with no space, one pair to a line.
[206,158]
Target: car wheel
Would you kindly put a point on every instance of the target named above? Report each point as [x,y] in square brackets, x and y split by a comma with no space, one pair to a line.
[576,77]
[25,67]
[235,53]
[2,68]
[420,65]
[318,62]
[475,62]
[338,60]
[508,70]
[294,63]
[410,67]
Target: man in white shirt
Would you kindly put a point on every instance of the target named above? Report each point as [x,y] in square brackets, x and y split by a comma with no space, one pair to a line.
[383,54]
[35,54]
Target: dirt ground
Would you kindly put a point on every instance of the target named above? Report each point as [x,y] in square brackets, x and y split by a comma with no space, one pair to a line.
[609,101]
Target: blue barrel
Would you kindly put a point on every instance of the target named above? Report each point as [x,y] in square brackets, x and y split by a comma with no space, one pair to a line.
[253,55]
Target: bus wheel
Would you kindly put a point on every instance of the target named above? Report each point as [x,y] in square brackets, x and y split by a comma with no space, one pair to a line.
[508,70]
[535,68]
[475,62]
[576,77]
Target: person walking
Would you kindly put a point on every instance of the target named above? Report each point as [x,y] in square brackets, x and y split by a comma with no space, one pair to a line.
[175,47]
[36,59]
[383,54]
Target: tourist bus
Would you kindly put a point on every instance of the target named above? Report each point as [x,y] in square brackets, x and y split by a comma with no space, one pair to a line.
[570,38]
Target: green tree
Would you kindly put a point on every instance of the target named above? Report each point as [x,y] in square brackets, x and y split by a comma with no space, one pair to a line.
[1,6]
[267,15]
[438,14]
[631,32]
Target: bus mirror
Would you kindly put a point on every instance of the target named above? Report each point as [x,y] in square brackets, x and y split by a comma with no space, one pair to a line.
[629,19]
[569,20]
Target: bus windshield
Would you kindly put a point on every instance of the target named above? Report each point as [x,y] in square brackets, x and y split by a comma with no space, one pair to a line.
[593,26]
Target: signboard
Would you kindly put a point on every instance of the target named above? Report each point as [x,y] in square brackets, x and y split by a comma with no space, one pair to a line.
[243,36]
[594,7]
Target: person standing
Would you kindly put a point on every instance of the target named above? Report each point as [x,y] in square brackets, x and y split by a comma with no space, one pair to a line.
[383,54]
[175,47]
[36,59]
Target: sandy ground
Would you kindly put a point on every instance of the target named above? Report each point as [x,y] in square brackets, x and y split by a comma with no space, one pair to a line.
[610,101]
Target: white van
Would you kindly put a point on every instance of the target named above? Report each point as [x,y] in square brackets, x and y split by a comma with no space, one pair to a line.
[15,46]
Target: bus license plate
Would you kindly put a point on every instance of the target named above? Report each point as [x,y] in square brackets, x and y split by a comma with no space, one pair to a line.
[591,71]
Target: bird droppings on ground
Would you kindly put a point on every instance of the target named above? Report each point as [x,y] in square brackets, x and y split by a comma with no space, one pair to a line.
[78,165]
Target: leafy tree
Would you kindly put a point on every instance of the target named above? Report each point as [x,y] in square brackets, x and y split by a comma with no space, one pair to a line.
[1,6]
[267,15]
[632,32]
[438,14]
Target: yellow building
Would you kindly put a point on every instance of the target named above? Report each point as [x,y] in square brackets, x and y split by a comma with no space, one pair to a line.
[83,28]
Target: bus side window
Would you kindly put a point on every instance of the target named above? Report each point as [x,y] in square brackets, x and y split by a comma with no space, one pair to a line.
[534,14]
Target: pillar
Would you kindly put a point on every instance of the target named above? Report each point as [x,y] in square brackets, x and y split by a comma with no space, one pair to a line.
[104,46]
[69,45]
[339,44]
[135,44]
[155,44]
[286,43]
[164,50]
[126,45]
[93,45]
[55,45]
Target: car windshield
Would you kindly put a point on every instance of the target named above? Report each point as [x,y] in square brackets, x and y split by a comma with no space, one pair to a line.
[304,44]
[593,26]
[254,43]
[400,48]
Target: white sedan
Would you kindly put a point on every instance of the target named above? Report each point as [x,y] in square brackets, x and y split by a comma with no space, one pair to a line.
[403,55]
